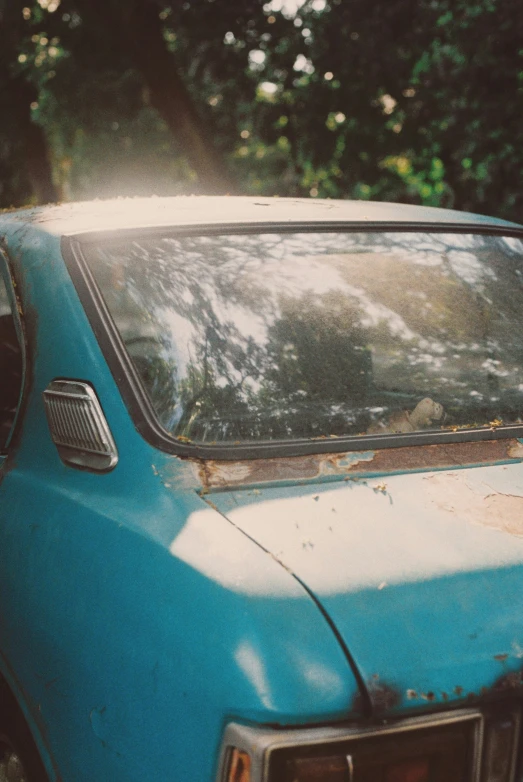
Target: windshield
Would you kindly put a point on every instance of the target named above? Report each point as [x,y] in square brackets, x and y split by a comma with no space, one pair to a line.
[279,336]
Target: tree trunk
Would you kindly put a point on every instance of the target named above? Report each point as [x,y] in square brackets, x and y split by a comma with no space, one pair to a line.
[141,30]
[33,141]
[25,140]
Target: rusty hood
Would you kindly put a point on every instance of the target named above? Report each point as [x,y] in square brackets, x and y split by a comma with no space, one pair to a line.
[421,574]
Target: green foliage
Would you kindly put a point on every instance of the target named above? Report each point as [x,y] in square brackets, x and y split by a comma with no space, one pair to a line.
[409,100]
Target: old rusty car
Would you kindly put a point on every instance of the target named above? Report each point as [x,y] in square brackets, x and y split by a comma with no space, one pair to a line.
[261,497]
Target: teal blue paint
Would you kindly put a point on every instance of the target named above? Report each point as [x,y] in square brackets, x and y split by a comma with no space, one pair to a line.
[424,596]
[136,620]
[130,657]
[355,457]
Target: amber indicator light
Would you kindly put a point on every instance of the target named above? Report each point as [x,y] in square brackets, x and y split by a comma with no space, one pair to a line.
[239,766]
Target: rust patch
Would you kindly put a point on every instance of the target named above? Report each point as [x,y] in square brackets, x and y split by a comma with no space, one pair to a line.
[382,697]
[216,474]
[477,504]
[509,681]
[515,450]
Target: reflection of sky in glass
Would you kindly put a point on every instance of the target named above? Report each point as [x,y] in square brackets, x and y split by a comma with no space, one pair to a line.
[466,266]
[289,268]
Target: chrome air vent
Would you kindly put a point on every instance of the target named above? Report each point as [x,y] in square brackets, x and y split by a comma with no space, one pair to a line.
[78,426]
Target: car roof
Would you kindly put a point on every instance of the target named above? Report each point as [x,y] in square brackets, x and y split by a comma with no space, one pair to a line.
[127,213]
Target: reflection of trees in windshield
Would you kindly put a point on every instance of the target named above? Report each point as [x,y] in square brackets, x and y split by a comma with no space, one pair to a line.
[317,350]
[277,336]
[311,376]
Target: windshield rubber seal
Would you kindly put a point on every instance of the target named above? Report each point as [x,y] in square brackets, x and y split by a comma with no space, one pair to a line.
[137,400]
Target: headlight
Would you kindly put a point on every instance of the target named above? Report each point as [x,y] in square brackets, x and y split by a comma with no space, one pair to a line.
[461,746]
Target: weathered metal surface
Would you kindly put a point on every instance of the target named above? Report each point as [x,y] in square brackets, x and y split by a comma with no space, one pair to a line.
[218,474]
[125,594]
[420,572]
[125,213]
[103,617]
[485,506]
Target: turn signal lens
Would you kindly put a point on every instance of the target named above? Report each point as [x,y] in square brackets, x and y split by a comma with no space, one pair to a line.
[239,767]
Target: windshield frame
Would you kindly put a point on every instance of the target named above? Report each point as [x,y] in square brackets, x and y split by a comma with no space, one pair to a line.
[137,400]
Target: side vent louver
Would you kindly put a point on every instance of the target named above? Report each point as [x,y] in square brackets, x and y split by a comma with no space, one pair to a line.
[78,426]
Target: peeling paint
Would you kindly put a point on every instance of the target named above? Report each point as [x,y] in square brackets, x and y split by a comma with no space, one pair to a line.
[232,472]
[178,474]
[515,451]
[380,696]
[218,474]
[348,461]
[511,681]
[383,697]
[478,504]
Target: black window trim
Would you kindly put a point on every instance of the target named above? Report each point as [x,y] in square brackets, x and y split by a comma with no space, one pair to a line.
[136,398]
[16,309]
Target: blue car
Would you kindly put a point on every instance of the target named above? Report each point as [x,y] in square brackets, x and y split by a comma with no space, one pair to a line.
[261,493]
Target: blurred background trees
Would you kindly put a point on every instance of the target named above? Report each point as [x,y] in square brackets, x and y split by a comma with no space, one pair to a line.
[409,100]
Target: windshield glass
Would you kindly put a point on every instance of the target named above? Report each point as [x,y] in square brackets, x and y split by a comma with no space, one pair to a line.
[271,336]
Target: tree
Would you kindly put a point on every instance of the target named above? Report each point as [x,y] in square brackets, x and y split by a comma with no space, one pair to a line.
[411,100]
[25,170]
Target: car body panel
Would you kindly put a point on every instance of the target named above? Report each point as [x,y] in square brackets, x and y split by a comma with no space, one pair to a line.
[421,574]
[198,645]
[141,612]
[131,213]
[93,598]
[241,473]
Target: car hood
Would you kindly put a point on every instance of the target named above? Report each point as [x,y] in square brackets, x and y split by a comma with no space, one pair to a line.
[421,574]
